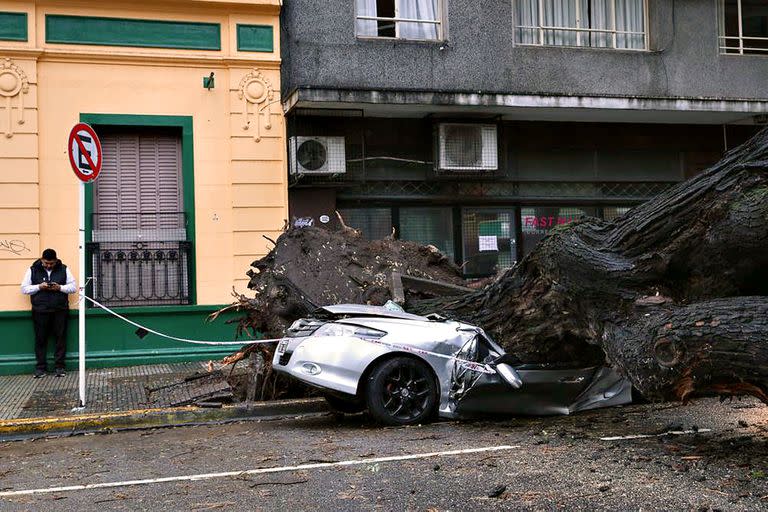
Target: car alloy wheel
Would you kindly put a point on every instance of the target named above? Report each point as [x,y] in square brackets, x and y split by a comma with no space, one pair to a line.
[401,391]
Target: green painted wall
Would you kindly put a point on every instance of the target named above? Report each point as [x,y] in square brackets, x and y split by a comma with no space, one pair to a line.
[112,342]
[132,32]
[255,38]
[13,26]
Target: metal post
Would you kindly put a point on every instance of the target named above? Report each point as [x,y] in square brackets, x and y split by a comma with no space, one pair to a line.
[81,306]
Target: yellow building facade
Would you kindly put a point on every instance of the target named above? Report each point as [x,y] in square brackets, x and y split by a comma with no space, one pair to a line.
[186,99]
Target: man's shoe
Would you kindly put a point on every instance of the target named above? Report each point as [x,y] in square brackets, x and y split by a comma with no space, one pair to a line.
[60,372]
[39,374]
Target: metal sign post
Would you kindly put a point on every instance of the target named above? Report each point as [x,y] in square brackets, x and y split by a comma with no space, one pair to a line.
[85,156]
[81,306]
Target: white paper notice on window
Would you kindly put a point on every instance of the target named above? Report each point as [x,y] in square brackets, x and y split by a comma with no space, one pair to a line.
[488,243]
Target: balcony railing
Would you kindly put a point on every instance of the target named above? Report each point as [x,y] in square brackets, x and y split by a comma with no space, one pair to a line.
[140,259]
[743,45]
[140,273]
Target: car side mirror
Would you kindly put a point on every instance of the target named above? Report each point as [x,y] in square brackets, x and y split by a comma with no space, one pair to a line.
[509,375]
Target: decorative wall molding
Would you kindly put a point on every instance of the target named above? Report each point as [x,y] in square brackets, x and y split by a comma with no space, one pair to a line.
[13,84]
[257,93]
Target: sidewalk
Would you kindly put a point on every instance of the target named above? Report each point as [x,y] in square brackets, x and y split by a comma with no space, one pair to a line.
[107,390]
[117,398]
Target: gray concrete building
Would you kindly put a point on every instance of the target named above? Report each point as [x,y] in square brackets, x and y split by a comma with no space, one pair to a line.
[479,125]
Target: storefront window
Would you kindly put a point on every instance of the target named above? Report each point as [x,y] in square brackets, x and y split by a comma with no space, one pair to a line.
[429,226]
[614,212]
[373,223]
[539,220]
[488,240]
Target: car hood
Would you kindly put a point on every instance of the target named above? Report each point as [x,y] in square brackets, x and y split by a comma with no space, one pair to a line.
[360,310]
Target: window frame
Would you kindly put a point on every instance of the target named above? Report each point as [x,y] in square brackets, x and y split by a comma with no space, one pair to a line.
[440,21]
[722,37]
[185,124]
[541,28]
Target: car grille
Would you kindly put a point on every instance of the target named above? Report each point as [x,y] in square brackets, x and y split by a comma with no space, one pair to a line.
[285,358]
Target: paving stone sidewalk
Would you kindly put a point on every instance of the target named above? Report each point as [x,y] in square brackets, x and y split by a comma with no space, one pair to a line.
[107,390]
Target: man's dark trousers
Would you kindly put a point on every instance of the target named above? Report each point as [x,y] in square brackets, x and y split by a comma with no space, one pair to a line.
[49,323]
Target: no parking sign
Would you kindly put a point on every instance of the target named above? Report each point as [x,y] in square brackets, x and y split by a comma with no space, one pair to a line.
[85,156]
[84,152]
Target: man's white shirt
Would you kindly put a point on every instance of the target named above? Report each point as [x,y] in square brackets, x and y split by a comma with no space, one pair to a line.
[27,288]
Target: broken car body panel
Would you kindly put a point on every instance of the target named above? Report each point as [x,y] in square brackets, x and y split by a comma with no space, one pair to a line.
[335,348]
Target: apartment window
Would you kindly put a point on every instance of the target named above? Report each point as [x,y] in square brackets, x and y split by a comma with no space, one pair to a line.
[401,19]
[140,251]
[617,24]
[744,27]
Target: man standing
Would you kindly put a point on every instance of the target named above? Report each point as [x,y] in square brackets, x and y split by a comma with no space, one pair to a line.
[47,282]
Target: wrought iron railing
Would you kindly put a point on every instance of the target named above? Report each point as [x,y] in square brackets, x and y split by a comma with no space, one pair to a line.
[140,259]
[140,273]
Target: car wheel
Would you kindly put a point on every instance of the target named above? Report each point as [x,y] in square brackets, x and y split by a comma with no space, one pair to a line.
[401,391]
[344,406]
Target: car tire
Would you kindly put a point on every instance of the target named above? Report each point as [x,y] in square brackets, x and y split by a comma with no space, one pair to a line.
[342,405]
[401,391]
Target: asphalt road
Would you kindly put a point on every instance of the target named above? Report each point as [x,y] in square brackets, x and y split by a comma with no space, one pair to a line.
[331,463]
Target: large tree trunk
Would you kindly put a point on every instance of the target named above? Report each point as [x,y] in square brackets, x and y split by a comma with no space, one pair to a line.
[673,293]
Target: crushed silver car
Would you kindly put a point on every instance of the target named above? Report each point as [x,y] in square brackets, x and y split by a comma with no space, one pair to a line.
[405,368]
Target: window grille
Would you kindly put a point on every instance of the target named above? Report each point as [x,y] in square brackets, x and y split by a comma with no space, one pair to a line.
[373,223]
[400,19]
[488,240]
[744,27]
[149,268]
[619,24]
[428,226]
[148,273]
[537,221]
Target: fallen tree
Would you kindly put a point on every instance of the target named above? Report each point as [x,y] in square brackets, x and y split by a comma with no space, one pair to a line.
[673,293]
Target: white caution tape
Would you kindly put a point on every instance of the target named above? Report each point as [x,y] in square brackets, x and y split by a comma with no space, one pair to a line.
[472,365]
[156,333]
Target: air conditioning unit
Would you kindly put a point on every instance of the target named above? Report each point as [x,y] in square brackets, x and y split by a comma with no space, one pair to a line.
[317,155]
[467,147]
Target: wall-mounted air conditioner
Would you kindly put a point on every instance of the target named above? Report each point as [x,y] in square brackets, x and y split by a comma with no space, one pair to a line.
[317,155]
[467,147]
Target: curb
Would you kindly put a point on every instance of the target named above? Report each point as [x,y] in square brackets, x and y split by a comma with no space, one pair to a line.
[12,430]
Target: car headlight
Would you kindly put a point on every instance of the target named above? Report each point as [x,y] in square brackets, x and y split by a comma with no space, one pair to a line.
[356,331]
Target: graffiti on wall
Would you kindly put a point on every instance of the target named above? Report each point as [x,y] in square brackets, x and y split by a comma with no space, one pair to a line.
[16,247]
